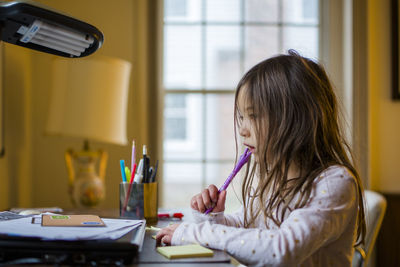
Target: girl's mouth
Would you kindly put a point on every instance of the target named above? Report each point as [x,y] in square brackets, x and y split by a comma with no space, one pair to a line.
[252,148]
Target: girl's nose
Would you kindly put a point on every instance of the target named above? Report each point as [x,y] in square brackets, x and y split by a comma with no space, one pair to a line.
[243,131]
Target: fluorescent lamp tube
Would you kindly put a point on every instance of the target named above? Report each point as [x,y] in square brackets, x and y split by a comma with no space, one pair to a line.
[58,42]
[55,37]
[55,47]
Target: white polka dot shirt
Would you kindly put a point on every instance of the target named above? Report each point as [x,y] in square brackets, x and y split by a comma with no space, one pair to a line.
[322,233]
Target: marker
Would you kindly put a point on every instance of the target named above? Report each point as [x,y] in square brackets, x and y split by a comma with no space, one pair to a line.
[127,173]
[146,163]
[122,163]
[153,173]
[128,195]
[133,173]
[139,172]
[133,160]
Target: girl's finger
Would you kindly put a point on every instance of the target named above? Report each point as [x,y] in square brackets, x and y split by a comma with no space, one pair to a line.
[206,198]
[166,240]
[160,235]
[221,202]
[200,204]
[213,193]
[193,203]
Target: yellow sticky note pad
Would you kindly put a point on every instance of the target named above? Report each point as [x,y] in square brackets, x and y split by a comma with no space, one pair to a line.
[186,251]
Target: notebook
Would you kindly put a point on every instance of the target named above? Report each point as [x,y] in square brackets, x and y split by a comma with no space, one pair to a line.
[72,220]
[186,251]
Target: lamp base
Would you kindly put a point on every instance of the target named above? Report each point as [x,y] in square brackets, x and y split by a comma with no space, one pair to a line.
[86,188]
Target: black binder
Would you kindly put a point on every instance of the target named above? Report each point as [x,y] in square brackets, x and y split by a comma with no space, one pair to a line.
[18,250]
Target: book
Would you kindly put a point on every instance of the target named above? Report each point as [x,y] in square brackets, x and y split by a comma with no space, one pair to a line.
[185,251]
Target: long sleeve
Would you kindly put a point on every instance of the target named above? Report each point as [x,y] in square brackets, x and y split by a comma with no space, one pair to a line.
[311,234]
[234,219]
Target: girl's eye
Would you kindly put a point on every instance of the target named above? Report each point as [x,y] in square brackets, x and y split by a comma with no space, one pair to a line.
[240,118]
[252,116]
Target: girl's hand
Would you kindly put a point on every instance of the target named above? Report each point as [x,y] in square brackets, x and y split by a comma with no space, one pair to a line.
[165,234]
[208,198]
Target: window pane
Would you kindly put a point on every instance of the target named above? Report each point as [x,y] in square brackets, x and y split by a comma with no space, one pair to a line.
[303,39]
[183,130]
[220,137]
[223,10]
[261,10]
[217,173]
[208,44]
[182,57]
[300,11]
[182,10]
[181,182]
[261,43]
[223,55]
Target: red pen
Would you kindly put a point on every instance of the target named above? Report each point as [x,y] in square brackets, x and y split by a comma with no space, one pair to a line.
[129,191]
[177,215]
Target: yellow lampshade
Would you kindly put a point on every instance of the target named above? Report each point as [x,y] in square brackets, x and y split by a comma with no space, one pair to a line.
[89,99]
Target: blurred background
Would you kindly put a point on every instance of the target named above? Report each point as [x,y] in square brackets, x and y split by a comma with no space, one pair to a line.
[186,57]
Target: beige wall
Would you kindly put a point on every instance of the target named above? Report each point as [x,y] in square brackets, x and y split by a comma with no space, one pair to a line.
[15,167]
[33,171]
[384,113]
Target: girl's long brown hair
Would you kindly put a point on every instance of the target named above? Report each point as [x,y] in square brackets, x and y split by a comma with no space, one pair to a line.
[297,124]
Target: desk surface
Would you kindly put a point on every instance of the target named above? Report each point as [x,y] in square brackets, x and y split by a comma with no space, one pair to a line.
[150,257]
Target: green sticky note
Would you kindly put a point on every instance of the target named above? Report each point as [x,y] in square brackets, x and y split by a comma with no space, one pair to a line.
[186,251]
[60,217]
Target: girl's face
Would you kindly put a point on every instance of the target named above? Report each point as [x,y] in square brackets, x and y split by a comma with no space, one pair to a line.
[247,119]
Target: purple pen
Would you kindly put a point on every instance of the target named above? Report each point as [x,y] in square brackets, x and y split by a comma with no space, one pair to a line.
[242,160]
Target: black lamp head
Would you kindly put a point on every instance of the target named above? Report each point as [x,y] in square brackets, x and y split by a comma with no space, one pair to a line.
[34,26]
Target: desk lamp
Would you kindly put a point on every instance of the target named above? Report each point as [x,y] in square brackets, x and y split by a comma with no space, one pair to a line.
[37,27]
[89,101]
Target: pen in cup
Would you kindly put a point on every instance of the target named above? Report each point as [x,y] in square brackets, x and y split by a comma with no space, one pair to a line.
[133,173]
[153,173]
[133,156]
[122,164]
[127,173]
[146,165]
[129,191]
[139,173]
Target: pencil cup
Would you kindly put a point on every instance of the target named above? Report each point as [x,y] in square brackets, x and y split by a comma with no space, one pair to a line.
[138,202]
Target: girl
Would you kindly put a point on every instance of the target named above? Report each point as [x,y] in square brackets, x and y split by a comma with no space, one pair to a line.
[302,197]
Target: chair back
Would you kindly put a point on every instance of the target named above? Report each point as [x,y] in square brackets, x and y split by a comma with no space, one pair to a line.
[375,207]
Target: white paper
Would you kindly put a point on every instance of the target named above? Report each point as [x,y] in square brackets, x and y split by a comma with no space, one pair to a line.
[114,229]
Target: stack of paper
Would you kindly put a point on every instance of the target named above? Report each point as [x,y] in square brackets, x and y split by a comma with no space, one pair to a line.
[29,227]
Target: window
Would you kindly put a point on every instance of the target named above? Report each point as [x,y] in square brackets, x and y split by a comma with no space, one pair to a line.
[208,46]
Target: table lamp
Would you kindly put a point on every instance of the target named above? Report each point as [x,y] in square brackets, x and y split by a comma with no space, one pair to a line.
[89,101]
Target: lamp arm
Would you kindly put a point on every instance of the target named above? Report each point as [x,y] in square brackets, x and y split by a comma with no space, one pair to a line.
[103,164]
